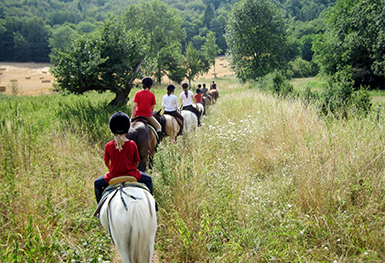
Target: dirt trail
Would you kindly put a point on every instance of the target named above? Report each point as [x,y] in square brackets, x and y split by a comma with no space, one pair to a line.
[35,78]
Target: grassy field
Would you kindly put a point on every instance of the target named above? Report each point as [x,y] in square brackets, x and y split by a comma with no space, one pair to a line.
[263,180]
[317,84]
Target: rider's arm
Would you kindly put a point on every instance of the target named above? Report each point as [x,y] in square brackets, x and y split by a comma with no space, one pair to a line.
[134,105]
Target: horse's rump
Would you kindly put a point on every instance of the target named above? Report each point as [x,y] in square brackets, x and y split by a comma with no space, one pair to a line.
[123,215]
[140,133]
[214,94]
[190,121]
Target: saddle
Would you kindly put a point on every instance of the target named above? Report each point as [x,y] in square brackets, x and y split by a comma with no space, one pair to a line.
[114,184]
[145,121]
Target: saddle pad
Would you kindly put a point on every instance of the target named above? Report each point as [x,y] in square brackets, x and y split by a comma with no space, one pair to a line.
[107,194]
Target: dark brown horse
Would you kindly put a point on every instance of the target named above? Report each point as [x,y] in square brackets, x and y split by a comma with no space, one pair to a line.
[146,139]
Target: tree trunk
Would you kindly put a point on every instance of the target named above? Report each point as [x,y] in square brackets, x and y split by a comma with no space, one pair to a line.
[159,75]
[121,97]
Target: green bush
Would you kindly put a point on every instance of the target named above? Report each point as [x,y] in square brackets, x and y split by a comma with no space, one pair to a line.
[276,83]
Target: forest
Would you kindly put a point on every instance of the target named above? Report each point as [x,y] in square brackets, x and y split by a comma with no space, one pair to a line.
[299,38]
[30,29]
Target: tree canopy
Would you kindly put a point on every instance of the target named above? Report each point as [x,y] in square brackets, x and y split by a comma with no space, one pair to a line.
[256,39]
[161,26]
[109,59]
[354,41]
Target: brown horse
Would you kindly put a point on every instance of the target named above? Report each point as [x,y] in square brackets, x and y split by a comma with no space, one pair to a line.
[214,95]
[145,138]
[206,101]
[170,125]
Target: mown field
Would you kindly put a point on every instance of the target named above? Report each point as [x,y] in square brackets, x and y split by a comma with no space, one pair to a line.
[263,180]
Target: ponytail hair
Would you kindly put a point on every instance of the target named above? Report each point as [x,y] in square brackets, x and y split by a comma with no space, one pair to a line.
[120,139]
[185,86]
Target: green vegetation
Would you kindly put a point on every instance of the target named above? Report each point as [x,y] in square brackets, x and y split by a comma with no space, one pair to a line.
[108,60]
[30,30]
[264,179]
[256,39]
[353,42]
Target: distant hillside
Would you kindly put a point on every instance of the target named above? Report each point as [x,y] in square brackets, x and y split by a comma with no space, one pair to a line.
[27,27]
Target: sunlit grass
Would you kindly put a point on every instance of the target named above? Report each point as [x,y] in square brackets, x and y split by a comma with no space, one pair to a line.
[262,180]
[267,180]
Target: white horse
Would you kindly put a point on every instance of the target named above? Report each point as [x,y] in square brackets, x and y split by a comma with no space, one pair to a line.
[190,122]
[201,108]
[129,216]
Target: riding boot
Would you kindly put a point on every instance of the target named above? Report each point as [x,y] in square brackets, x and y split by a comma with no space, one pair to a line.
[181,128]
[98,195]
[160,136]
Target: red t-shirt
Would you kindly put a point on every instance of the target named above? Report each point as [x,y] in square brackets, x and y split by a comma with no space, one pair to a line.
[145,100]
[198,98]
[123,162]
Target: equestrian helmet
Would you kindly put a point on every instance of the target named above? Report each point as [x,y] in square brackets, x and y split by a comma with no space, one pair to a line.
[170,87]
[147,82]
[119,123]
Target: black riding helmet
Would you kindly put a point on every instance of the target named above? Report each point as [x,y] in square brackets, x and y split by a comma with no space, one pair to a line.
[170,87]
[119,123]
[147,82]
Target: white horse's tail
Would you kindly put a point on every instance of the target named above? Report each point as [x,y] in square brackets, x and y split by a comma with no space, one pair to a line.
[141,239]
[131,221]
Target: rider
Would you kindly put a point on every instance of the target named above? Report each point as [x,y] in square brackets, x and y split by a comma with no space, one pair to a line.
[144,103]
[170,105]
[204,91]
[213,85]
[186,98]
[199,98]
[121,156]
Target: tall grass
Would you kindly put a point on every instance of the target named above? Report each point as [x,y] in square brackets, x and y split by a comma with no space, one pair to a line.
[50,152]
[268,180]
[262,180]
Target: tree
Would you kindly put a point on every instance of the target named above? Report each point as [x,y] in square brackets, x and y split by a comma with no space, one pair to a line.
[161,27]
[192,63]
[61,36]
[256,39]
[107,60]
[210,50]
[354,41]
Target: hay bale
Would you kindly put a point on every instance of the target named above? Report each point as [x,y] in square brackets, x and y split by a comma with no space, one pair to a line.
[3,68]
[27,77]
[46,81]
[41,77]
[13,80]
[44,72]
[3,88]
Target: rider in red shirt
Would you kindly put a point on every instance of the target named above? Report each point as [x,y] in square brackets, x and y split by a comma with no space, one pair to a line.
[198,96]
[121,156]
[144,103]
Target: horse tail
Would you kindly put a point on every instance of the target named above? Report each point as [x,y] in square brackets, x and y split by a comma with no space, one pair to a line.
[131,221]
[142,235]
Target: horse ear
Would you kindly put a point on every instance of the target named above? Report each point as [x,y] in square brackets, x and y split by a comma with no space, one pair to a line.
[159,111]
